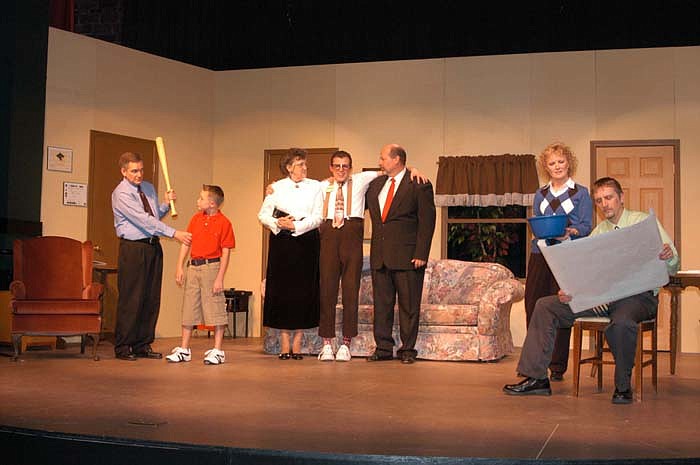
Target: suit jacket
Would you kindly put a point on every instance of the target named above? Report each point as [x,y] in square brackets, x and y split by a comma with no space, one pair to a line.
[410,223]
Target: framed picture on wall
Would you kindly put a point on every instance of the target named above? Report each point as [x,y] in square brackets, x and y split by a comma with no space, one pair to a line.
[59,159]
[75,194]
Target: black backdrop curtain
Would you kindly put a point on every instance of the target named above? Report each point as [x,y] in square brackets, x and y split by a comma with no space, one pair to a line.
[61,14]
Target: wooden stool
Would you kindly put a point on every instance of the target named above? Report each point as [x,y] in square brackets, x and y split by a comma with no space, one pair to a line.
[209,329]
[598,326]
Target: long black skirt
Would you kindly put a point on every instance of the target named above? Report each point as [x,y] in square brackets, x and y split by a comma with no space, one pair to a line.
[292,282]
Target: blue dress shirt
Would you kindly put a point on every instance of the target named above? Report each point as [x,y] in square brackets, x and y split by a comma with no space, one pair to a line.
[131,220]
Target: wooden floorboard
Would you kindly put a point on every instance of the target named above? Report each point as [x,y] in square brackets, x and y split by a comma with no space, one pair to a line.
[434,409]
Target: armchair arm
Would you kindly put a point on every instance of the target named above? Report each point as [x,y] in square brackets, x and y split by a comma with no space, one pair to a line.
[93,291]
[18,290]
[494,307]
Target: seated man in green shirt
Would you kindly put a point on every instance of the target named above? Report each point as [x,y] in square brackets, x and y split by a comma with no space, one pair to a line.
[553,312]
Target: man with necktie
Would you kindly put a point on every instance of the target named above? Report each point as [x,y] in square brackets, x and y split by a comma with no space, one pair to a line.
[403,221]
[553,312]
[341,234]
[137,215]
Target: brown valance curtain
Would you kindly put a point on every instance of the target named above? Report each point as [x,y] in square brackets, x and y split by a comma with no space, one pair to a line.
[492,180]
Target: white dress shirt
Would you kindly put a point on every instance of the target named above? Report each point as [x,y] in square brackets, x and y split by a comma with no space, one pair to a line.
[385,190]
[360,184]
[299,199]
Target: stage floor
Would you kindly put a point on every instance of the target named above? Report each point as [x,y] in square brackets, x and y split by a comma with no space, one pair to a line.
[256,401]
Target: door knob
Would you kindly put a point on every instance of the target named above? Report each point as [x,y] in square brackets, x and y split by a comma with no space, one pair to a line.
[96,248]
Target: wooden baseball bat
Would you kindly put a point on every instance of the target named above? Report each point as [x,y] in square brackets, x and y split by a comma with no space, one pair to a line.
[164,164]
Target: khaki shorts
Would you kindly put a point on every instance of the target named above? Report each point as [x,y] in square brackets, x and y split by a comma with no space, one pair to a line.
[199,305]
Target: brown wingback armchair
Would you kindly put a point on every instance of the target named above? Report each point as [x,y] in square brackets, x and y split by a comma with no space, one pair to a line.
[52,293]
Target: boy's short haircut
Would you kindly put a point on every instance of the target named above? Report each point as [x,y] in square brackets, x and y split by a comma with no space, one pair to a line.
[215,193]
[129,157]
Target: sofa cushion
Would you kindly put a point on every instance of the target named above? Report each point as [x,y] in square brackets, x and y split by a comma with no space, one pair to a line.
[56,307]
[367,298]
[457,282]
[449,315]
[430,315]
[365,314]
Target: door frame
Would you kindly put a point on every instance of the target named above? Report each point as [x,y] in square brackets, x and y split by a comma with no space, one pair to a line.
[674,339]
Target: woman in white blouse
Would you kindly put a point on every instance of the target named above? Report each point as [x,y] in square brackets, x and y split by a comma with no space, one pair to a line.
[292,281]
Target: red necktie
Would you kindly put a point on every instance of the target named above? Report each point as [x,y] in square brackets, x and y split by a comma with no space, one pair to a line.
[389,198]
[144,200]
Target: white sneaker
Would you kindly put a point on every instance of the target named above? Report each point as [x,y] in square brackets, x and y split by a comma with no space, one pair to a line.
[179,354]
[326,354]
[214,357]
[343,354]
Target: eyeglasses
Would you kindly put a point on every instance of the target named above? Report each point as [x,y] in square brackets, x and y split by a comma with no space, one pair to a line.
[337,166]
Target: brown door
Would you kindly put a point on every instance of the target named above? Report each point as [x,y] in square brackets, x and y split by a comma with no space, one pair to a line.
[648,172]
[105,149]
[317,162]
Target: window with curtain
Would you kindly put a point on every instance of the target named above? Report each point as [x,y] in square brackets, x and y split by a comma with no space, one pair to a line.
[485,203]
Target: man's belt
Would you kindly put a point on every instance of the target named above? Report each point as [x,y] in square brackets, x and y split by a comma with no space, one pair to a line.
[352,218]
[204,261]
[153,240]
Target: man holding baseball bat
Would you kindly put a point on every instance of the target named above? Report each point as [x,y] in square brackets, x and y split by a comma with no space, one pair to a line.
[137,215]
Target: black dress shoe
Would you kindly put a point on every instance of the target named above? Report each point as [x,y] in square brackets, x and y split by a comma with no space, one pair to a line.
[297,356]
[128,357]
[148,353]
[556,376]
[284,356]
[529,386]
[377,357]
[622,397]
[408,358]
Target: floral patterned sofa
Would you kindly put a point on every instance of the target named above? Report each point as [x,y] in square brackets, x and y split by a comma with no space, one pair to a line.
[465,314]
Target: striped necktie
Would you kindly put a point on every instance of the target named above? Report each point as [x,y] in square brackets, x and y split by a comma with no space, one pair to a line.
[144,200]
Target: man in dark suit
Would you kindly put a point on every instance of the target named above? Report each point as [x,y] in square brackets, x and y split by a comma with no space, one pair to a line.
[403,221]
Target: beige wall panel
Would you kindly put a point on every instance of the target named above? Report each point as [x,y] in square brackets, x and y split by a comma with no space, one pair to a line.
[257,110]
[70,103]
[687,76]
[71,62]
[487,105]
[241,134]
[563,104]
[135,94]
[391,102]
[67,114]
[488,111]
[301,109]
[145,96]
[634,94]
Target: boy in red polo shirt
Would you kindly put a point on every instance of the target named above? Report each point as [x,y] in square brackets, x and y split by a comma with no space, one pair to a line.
[204,303]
